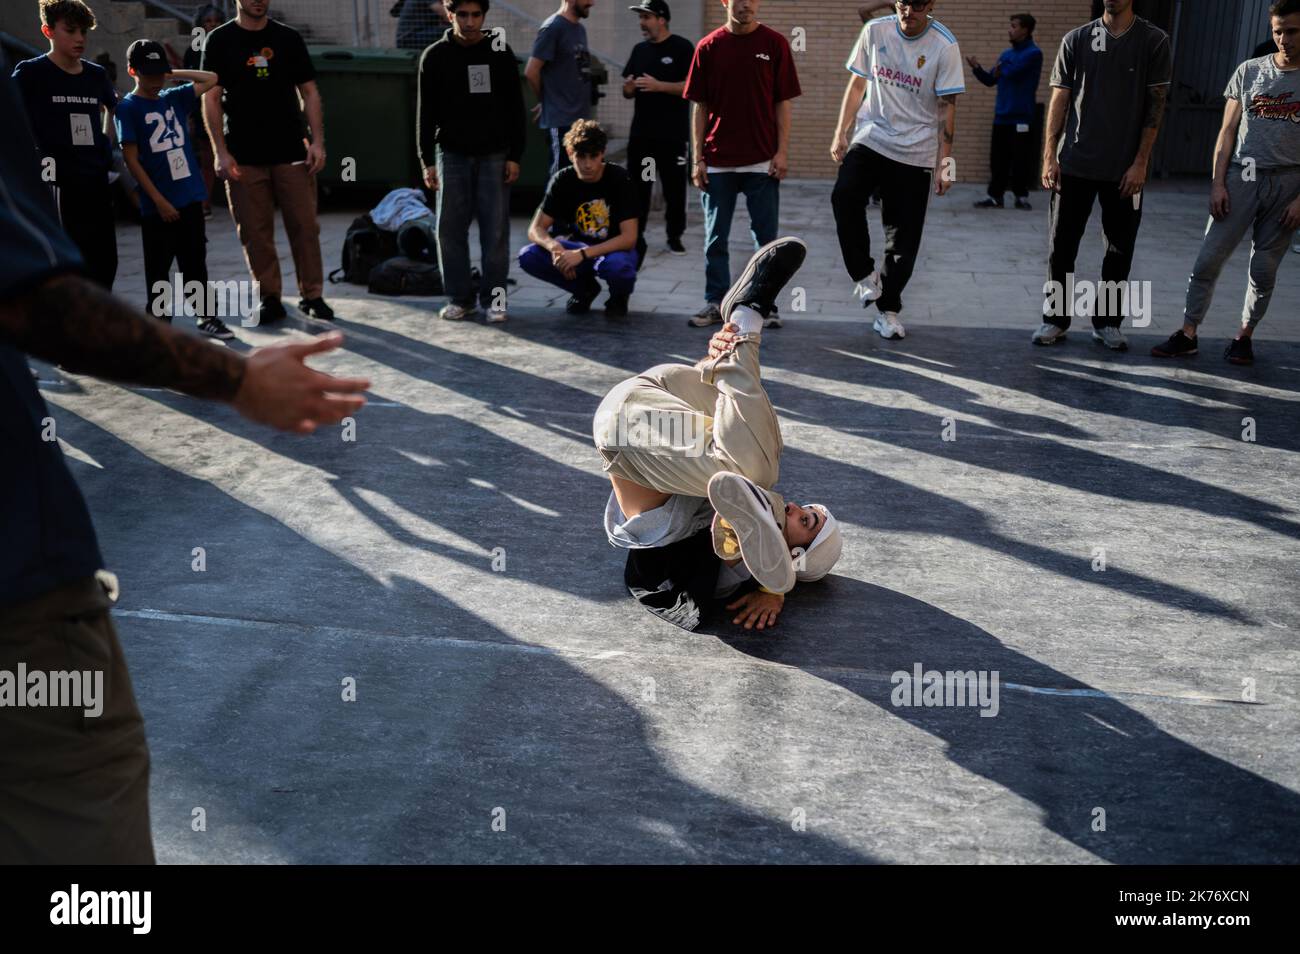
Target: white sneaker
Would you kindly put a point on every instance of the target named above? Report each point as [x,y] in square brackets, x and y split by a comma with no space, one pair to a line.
[496,316]
[1048,333]
[1112,338]
[455,312]
[869,289]
[887,325]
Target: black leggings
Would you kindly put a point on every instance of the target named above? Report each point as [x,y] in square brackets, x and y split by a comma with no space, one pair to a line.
[185,241]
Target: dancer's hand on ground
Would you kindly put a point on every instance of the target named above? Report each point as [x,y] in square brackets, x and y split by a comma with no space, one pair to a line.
[723,341]
[279,389]
[758,609]
[1220,204]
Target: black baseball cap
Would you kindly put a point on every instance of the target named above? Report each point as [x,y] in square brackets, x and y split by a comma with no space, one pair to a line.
[147,58]
[654,7]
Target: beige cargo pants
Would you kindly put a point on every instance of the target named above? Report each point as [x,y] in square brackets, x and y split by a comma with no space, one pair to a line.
[674,426]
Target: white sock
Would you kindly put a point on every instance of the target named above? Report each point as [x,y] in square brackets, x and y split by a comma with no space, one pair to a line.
[749,321]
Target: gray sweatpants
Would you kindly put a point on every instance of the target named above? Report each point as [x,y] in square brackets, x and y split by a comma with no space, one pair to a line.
[1256,205]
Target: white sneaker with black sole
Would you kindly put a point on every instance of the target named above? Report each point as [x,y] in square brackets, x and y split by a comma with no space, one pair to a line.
[888,326]
[747,509]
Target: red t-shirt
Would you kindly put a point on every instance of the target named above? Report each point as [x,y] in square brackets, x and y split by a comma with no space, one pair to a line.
[741,76]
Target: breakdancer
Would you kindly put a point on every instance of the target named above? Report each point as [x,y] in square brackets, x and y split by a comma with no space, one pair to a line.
[692,453]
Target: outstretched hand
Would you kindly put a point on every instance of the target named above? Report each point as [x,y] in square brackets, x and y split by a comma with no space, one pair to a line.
[279,389]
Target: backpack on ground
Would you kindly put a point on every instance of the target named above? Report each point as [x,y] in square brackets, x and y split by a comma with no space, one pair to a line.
[365,246]
[405,276]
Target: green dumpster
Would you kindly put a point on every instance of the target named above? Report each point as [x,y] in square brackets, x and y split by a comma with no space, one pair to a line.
[369,97]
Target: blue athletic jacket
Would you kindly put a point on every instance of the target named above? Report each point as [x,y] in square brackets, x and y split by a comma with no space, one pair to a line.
[1017,79]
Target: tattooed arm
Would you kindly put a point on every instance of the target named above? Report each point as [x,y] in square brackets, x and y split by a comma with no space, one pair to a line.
[77,324]
[947,132]
[1136,176]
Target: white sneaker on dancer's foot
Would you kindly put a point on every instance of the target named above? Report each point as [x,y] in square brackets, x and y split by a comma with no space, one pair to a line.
[887,325]
[454,312]
[748,511]
[1111,337]
[869,289]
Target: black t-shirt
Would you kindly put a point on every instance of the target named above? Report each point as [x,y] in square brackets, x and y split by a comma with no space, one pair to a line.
[65,116]
[590,211]
[259,72]
[660,115]
[48,539]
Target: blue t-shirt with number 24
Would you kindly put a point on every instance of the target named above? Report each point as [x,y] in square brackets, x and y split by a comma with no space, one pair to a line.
[160,129]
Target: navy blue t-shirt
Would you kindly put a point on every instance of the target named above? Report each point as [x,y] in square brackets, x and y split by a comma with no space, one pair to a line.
[64,111]
[48,539]
[160,130]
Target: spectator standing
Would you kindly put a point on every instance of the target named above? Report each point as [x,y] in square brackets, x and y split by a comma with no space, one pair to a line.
[70,103]
[153,127]
[1016,75]
[1260,133]
[470,134]
[655,77]
[586,226]
[741,83]
[1109,87]
[895,139]
[559,74]
[263,152]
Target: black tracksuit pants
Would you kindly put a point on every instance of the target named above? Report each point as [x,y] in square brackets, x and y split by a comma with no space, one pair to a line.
[670,168]
[904,197]
[1071,208]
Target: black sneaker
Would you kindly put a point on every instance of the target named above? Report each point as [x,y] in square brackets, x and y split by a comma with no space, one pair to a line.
[1023,205]
[768,271]
[317,308]
[215,328]
[580,303]
[989,203]
[676,247]
[616,306]
[1178,346]
[1240,351]
[270,310]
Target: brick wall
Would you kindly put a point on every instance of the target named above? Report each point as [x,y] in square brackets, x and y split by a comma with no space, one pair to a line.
[830,28]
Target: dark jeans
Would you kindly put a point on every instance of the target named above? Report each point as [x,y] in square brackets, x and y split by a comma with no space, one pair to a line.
[86,211]
[1070,210]
[74,788]
[617,269]
[762,201]
[904,198]
[473,187]
[185,241]
[1011,161]
[670,169]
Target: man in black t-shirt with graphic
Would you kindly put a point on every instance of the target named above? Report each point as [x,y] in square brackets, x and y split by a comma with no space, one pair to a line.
[655,76]
[586,228]
[263,152]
